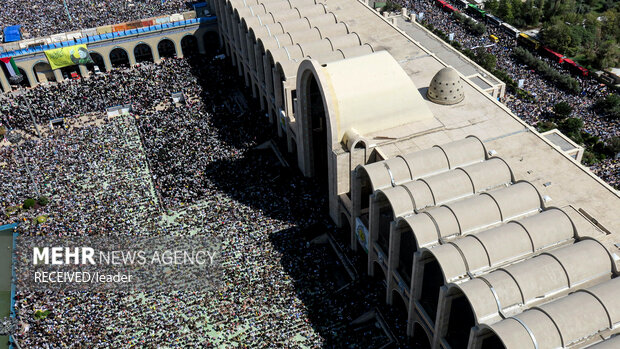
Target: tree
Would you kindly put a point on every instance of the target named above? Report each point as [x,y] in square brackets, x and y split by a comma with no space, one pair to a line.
[491,6]
[607,54]
[28,204]
[562,110]
[391,7]
[530,13]
[571,127]
[43,200]
[486,60]
[545,126]
[557,36]
[504,11]
[608,106]
[614,145]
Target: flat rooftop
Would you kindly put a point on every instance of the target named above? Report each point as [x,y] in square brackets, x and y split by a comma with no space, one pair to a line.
[444,51]
[531,156]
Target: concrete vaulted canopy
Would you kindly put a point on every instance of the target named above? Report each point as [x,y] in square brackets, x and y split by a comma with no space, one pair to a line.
[446,186]
[501,245]
[513,289]
[578,317]
[408,167]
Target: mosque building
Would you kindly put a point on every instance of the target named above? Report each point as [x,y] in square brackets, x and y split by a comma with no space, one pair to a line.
[488,233]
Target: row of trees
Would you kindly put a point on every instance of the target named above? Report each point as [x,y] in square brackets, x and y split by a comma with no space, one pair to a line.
[551,74]
[587,30]
[476,28]
[591,38]
[486,60]
[595,149]
[516,12]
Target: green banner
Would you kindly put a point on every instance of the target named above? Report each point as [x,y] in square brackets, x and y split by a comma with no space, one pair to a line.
[66,56]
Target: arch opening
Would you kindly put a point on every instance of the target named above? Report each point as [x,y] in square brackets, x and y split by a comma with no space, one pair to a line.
[399,306]
[166,49]
[143,53]
[26,81]
[407,247]
[211,43]
[386,216]
[43,72]
[420,337]
[378,278]
[317,123]
[189,46]
[71,72]
[432,280]
[97,61]
[492,342]
[345,228]
[365,189]
[460,322]
[265,105]
[119,58]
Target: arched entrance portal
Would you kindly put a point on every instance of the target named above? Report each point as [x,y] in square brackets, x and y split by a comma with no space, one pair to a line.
[43,72]
[189,46]
[143,53]
[212,43]
[166,49]
[119,58]
[98,61]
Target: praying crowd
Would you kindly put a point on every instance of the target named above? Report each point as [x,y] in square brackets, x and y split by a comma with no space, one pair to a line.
[546,94]
[193,168]
[185,168]
[40,18]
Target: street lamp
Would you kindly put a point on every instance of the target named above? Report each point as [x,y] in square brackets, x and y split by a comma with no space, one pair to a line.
[14,138]
[16,79]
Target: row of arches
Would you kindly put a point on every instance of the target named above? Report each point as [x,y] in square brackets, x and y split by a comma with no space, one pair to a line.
[119,58]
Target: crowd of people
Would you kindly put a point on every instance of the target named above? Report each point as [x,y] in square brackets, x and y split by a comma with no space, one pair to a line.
[192,168]
[40,18]
[185,168]
[545,94]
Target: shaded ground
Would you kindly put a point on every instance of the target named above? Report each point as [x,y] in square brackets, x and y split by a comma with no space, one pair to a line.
[6,246]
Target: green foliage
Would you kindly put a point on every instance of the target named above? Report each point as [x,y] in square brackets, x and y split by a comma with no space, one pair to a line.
[391,7]
[482,57]
[28,204]
[544,126]
[475,28]
[589,158]
[586,30]
[564,81]
[592,38]
[571,127]
[43,200]
[608,106]
[614,145]
[562,110]
[516,12]
[39,314]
